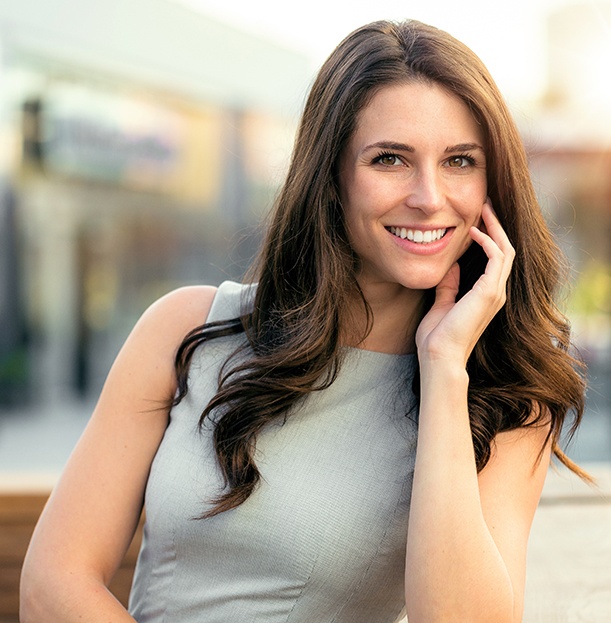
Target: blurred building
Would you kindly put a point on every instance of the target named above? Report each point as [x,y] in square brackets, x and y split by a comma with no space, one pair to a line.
[140,144]
[569,140]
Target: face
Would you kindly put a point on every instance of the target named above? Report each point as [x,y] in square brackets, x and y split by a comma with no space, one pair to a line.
[412,182]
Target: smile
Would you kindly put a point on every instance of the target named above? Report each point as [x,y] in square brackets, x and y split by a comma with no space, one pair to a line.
[417,235]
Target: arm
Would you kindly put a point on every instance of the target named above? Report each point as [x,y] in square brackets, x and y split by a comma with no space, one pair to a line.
[468,533]
[91,516]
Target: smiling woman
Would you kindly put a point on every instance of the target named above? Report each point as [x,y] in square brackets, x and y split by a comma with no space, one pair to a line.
[365,426]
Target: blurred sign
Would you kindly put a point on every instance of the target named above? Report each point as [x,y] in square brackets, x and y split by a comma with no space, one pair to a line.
[114,138]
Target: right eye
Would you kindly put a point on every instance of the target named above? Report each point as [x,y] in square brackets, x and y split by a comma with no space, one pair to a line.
[388,160]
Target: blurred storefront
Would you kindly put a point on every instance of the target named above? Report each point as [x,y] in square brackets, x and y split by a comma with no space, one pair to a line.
[569,142]
[123,178]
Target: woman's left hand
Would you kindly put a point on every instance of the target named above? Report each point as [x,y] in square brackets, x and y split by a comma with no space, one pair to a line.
[450,329]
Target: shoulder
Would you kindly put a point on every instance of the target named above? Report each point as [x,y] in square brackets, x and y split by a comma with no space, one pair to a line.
[146,360]
[181,310]
[170,318]
[189,307]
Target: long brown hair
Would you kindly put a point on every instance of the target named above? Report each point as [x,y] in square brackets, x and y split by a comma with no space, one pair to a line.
[521,372]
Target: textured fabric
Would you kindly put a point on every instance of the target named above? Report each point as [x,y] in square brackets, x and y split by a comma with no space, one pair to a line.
[323,537]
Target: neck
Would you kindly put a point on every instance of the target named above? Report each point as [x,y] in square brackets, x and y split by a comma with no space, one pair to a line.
[396,314]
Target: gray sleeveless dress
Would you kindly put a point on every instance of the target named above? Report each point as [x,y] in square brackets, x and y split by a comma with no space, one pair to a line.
[323,537]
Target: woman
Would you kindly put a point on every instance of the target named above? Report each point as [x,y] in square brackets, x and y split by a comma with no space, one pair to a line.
[390,391]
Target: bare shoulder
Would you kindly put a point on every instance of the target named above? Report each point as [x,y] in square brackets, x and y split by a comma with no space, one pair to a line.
[146,361]
[188,301]
[181,310]
[165,322]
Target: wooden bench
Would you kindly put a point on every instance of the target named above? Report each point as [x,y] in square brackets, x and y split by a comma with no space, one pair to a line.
[22,499]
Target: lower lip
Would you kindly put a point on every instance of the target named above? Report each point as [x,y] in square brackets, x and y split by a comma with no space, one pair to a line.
[427,248]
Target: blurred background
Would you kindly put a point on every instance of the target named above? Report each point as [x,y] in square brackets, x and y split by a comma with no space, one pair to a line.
[142,142]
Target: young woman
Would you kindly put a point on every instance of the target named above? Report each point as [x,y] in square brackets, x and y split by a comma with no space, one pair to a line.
[367,426]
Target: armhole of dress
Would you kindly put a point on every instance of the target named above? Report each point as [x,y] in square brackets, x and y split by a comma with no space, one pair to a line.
[231,300]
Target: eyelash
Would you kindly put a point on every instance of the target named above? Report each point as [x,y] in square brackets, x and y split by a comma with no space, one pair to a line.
[385,154]
[388,154]
[467,157]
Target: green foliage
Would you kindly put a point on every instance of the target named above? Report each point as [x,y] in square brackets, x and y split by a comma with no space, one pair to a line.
[592,292]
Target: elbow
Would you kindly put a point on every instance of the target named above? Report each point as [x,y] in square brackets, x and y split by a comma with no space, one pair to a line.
[453,617]
[480,597]
[42,594]
[494,611]
[31,599]
[55,594]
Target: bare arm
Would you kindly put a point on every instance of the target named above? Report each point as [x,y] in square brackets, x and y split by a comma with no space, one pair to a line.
[92,514]
[468,533]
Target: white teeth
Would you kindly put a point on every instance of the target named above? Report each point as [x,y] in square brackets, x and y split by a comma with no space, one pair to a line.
[418,235]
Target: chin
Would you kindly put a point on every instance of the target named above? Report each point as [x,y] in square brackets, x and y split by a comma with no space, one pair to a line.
[423,283]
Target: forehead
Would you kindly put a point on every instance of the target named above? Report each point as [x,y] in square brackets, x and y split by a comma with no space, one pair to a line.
[417,111]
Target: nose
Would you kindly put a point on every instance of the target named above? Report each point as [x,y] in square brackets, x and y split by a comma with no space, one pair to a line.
[426,192]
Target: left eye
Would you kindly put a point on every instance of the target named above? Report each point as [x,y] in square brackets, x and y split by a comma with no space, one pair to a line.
[459,162]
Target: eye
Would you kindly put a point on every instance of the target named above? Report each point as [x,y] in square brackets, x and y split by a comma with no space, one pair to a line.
[460,162]
[388,160]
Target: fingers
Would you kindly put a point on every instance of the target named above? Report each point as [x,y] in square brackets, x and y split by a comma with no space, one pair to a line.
[458,325]
[500,252]
[447,289]
[494,241]
[495,230]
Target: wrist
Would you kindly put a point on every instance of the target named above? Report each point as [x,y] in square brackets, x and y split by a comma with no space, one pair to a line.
[443,374]
[446,365]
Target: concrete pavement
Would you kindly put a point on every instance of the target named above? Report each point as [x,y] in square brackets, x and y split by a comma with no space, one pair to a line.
[569,561]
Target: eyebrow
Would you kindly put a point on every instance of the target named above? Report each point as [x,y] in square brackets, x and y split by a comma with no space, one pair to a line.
[394,146]
[463,147]
[390,145]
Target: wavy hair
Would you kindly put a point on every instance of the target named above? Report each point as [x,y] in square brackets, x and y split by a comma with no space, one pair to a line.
[521,370]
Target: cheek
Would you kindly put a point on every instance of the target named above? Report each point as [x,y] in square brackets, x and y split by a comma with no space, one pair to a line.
[472,196]
[359,206]
[472,205]
[471,215]
[352,223]
[466,244]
